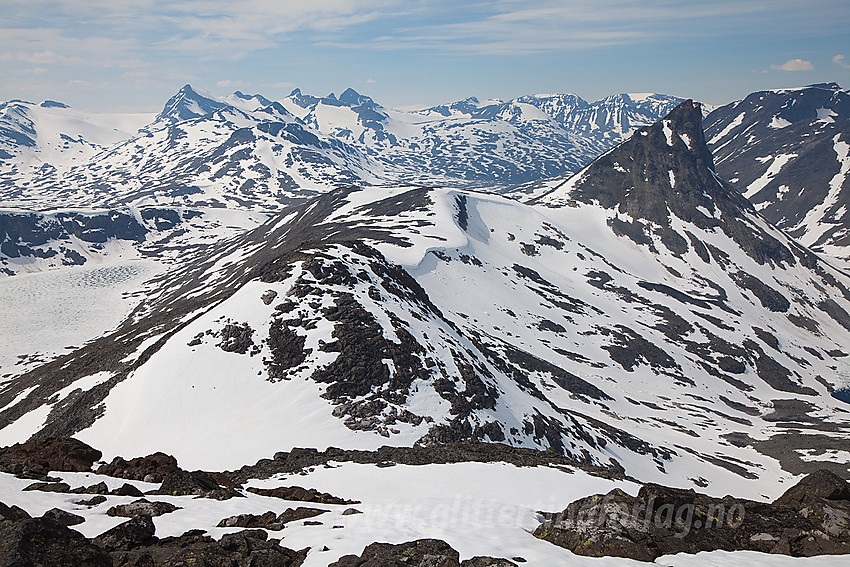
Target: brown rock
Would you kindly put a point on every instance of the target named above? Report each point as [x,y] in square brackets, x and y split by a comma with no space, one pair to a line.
[152,468]
[37,457]
[299,494]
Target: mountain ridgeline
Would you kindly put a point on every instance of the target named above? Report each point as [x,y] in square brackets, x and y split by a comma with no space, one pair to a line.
[787,152]
[245,151]
[642,317]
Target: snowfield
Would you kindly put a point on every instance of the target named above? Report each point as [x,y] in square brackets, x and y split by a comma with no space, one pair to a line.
[47,313]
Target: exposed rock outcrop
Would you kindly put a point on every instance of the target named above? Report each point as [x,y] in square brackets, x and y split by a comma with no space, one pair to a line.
[811,518]
[46,541]
[419,553]
[152,468]
[299,494]
[36,457]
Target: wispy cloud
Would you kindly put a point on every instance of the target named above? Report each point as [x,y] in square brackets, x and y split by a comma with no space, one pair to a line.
[229,83]
[839,60]
[518,27]
[794,65]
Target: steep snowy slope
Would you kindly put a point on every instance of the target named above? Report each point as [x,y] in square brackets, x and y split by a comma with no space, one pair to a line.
[787,151]
[642,316]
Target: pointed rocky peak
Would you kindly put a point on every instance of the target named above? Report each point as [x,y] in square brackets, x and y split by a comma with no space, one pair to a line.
[666,170]
[255,97]
[188,104]
[331,100]
[353,98]
[303,100]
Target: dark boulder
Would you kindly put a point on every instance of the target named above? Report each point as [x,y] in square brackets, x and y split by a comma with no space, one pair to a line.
[142,508]
[248,548]
[62,487]
[253,521]
[99,488]
[197,483]
[131,534]
[36,457]
[127,489]
[419,553]
[299,494]
[93,501]
[300,513]
[487,562]
[63,517]
[809,519]
[44,541]
[152,468]
[815,488]
[12,513]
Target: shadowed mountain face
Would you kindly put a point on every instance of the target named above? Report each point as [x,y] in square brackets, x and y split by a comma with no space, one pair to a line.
[787,152]
[633,318]
[664,174]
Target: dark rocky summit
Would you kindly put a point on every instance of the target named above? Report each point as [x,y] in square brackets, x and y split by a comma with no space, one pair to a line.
[811,518]
[781,148]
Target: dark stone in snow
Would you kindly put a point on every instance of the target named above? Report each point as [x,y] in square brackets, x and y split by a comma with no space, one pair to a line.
[299,494]
[39,456]
[197,483]
[142,508]
[152,468]
[809,519]
[129,535]
[46,542]
[63,517]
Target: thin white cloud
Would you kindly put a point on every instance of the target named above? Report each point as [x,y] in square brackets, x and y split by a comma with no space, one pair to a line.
[839,60]
[229,83]
[794,65]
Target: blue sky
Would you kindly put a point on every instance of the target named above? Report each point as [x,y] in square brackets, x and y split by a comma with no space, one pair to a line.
[128,55]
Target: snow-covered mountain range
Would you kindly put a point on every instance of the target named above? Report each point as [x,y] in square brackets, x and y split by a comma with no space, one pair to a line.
[249,152]
[641,317]
[787,152]
[497,306]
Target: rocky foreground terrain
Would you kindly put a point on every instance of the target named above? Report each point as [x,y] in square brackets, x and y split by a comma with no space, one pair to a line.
[809,519]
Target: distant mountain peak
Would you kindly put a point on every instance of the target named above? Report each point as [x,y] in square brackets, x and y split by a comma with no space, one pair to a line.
[667,170]
[187,104]
[53,104]
[828,86]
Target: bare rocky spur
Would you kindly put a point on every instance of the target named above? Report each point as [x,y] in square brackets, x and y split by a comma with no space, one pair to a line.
[811,518]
